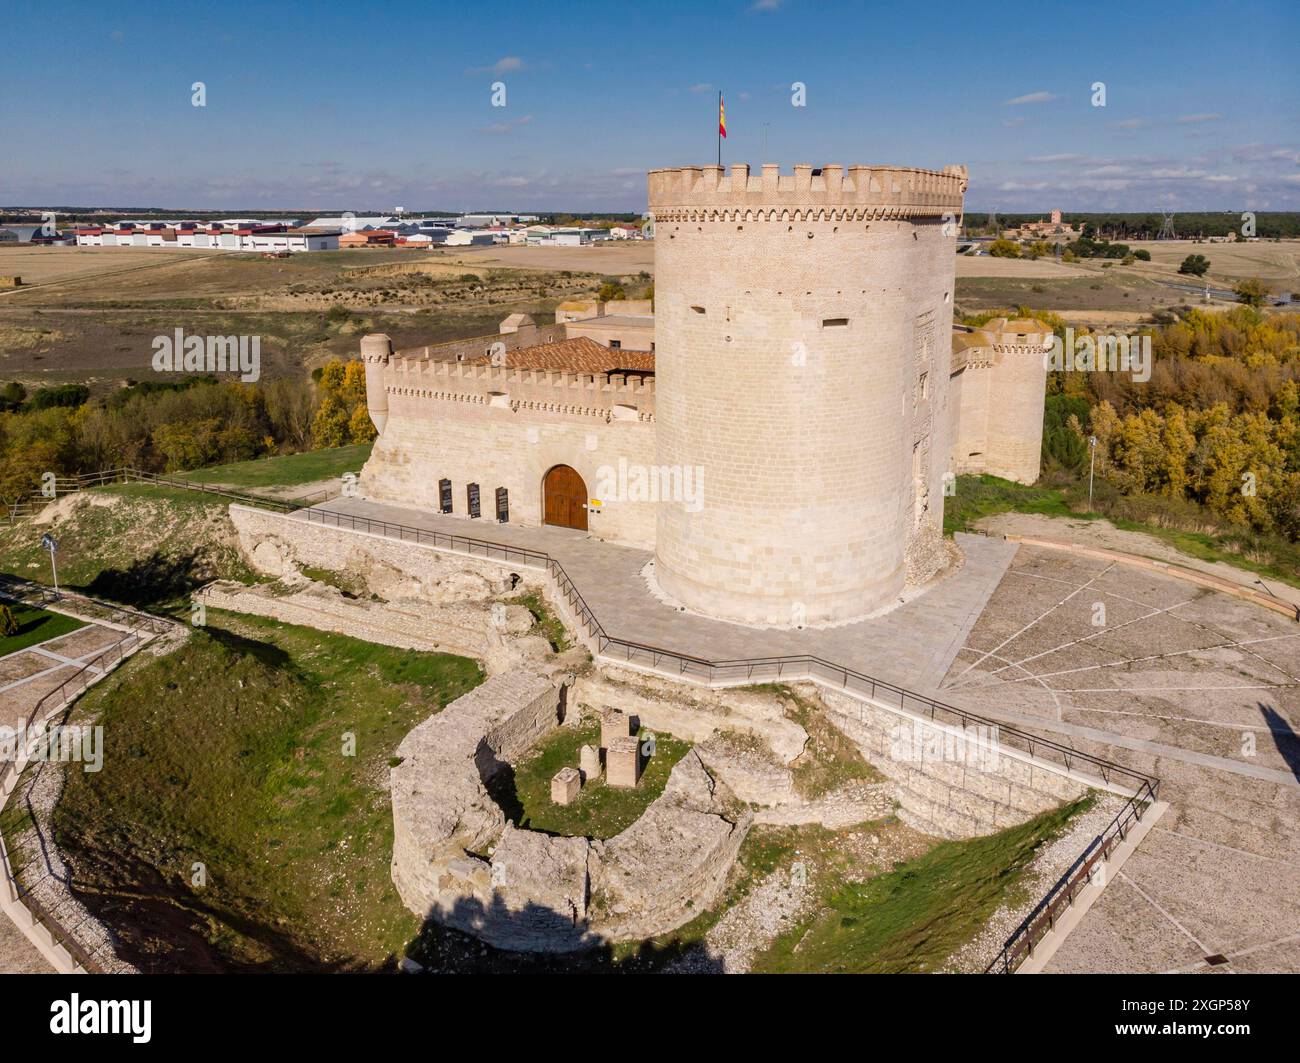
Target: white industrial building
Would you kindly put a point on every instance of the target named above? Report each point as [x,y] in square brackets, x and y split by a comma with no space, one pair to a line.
[215,237]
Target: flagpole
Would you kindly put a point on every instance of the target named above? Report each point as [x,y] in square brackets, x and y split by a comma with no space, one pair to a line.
[719,129]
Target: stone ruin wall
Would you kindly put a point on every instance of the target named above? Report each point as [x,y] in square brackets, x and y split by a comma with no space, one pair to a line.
[444,819]
[457,860]
[276,544]
[944,798]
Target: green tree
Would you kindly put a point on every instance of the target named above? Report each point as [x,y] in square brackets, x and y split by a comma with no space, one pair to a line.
[361,429]
[1004,249]
[12,395]
[330,426]
[1195,265]
[1252,291]
[8,622]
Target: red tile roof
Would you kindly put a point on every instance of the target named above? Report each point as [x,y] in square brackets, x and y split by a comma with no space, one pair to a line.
[577,355]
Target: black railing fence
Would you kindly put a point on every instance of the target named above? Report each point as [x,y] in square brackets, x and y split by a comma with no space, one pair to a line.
[65,485]
[803,666]
[751,670]
[43,713]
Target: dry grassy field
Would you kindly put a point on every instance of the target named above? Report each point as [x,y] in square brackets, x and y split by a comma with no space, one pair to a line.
[988,266]
[90,315]
[1278,264]
[615,258]
[41,265]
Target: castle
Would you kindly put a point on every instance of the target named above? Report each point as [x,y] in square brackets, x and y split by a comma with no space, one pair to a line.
[785,442]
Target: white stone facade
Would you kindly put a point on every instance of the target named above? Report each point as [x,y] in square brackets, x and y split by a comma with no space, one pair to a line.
[801,354]
[804,412]
[999,384]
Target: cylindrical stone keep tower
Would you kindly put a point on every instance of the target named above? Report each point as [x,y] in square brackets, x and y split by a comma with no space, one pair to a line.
[802,339]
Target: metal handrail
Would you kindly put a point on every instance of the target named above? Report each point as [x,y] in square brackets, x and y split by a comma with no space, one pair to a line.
[81,481]
[687,664]
[1042,920]
[39,912]
[1038,922]
[45,709]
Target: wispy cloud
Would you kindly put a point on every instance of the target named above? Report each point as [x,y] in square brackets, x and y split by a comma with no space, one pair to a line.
[1133,123]
[1066,157]
[703,86]
[506,65]
[1031,97]
[766,5]
[506,127]
[1187,118]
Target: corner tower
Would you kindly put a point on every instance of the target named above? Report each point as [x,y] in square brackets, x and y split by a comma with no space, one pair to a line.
[802,340]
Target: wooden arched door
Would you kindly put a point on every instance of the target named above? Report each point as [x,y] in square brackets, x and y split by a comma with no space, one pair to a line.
[564,498]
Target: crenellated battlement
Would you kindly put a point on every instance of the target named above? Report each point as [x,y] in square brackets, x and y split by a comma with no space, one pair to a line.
[836,192]
[607,396]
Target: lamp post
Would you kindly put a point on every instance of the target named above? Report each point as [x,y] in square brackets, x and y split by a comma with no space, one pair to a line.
[1092,465]
[47,541]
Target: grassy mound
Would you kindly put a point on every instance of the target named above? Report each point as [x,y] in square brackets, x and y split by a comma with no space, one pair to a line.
[242,818]
[141,545]
[289,470]
[911,919]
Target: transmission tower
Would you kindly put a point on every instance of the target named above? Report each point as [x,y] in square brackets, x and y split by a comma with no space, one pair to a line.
[1167,229]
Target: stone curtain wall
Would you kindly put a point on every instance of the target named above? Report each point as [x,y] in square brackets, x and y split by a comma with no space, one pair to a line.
[801,360]
[507,428]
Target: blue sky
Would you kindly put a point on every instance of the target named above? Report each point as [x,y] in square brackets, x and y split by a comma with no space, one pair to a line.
[334,106]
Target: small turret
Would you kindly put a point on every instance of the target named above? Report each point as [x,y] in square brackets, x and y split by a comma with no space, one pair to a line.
[376,351]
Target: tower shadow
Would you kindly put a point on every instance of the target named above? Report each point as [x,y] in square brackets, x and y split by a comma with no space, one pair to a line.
[1285,737]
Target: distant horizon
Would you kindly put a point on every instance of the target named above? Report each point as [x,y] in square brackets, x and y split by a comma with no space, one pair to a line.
[248,211]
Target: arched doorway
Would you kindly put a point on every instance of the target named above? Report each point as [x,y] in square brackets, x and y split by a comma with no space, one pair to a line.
[564,498]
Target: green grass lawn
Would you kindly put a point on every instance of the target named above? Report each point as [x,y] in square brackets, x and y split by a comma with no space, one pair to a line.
[910,919]
[601,811]
[36,625]
[288,470]
[983,496]
[261,752]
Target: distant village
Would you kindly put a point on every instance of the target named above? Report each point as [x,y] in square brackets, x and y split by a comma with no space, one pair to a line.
[329,233]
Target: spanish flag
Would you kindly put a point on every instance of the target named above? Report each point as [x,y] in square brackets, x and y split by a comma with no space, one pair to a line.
[722,118]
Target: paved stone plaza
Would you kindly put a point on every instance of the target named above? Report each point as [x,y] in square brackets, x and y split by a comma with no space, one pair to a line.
[1195,687]
[31,673]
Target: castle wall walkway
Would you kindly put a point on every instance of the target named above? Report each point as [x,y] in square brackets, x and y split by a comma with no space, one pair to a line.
[911,646]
